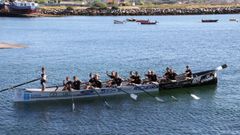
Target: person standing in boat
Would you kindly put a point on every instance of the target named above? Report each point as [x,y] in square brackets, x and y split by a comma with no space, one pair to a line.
[43,79]
[67,84]
[76,83]
[188,73]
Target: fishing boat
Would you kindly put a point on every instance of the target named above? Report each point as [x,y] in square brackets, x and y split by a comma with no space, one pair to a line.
[20,7]
[149,23]
[210,21]
[56,93]
[118,22]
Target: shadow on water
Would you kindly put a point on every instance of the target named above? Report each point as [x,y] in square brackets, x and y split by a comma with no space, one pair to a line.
[203,91]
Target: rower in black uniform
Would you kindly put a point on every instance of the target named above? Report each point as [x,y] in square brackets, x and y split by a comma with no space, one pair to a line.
[115,79]
[76,83]
[67,84]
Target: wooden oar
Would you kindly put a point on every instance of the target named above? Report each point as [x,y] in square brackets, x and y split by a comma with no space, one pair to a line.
[20,85]
[149,94]
[73,104]
[103,98]
[133,96]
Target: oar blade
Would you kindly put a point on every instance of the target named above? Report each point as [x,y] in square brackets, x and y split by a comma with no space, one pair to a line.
[221,67]
[174,98]
[106,103]
[134,96]
[159,99]
[73,107]
[195,97]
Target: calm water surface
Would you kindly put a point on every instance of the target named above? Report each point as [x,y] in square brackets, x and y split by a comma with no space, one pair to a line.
[79,45]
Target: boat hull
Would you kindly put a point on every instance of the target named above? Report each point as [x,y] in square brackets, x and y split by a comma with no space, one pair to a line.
[30,95]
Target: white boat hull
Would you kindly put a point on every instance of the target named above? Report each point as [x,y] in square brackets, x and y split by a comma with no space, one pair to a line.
[31,95]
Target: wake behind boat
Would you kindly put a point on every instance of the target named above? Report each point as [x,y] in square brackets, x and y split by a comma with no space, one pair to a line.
[55,93]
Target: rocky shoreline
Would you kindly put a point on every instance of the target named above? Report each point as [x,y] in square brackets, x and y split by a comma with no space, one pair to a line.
[138,12]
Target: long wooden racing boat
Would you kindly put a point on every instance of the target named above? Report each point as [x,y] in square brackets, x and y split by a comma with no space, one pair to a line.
[56,93]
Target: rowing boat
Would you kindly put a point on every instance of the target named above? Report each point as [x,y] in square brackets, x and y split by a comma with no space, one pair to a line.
[56,93]
[210,21]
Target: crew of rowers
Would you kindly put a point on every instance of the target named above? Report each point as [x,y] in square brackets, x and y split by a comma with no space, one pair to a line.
[116,80]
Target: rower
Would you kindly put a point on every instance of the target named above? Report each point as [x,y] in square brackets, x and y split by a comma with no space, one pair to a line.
[172,75]
[166,75]
[67,84]
[94,82]
[43,80]
[188,73]
[115,79]
[151,76]
[76,83]
[135,78]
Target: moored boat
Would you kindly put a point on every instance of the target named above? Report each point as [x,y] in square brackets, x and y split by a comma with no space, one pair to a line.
[56,93]
[142,21]
[149,23]
[210,20]
[19,7]
[131,19]
[233,20]
[118,22]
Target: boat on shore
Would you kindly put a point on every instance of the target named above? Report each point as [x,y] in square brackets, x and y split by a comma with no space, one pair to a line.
[20,7]
[210,20]
[55,93]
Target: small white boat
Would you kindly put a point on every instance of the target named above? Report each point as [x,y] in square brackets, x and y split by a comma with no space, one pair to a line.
[233,20]
[118,22]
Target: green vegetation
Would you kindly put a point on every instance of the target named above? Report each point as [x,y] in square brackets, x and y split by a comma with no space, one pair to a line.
[69,8]
[41,1]
[99,5]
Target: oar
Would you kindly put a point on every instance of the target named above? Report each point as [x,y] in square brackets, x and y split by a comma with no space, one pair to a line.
[73,104]
[194,96]
[149,94]
[20,85]
[133,96]
[103,98]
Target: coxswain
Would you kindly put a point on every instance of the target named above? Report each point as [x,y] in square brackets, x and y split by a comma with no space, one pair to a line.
[43,79]
[188,73]
[67,84]
[76,83]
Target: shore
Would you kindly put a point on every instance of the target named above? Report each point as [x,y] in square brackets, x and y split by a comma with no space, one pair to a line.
[164,9]
[10,46]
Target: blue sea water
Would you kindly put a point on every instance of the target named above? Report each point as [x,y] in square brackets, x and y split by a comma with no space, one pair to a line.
[69,46]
